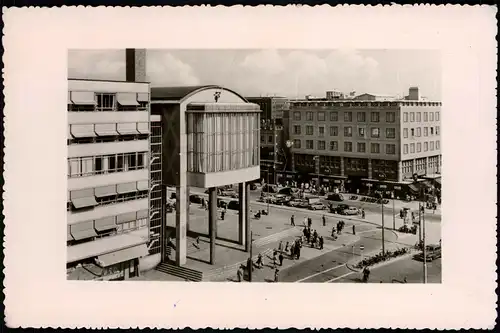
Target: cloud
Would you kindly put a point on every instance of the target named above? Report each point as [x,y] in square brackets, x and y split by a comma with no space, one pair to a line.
[162,67]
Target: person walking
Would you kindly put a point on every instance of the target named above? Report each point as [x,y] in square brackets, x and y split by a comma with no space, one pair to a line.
[298,252]
[222,214]
[286,246]
[274,259]
[321,242]
[259,261]
[354,229]
[292,220]
[309,222]
[363,213]
[281,259]
[324,221]
[280,246]
[276,273]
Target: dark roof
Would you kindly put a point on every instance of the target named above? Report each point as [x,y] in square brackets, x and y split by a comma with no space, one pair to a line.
[179,93]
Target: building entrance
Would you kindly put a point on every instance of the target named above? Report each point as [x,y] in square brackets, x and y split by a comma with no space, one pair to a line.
[353,184]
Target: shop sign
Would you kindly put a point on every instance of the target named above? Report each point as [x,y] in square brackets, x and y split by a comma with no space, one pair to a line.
[397,187]
[337,181]
[382,186]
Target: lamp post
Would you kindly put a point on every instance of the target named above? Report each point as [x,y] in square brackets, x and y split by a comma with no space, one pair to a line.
[422,222]
[250,261]
[393,211]
[382,176]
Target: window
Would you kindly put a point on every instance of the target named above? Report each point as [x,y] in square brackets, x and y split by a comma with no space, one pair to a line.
[405,149]
[375,148]
[426,146]
[297,129]
[431,116]
[419,131]
[412,116]
[321,145]
[419,116]
[412,148]
[348,116]
[296,115]
[321,130]
[390,117]
[375,132]
[87,166]
[419,147]
[99,168]
[390,133]
[361,147]
[390,149]
[432,130]
[321,116]
[405,117]
[140,160]
[297,143]
[112,163]
[361,132]
[412,132]
[309,130]
[348,146]
[334,116]
[334,130]
[426,116]
[361,117]
[119,162]
[347,131]
[309,144]
[270,139]
[106,102]
[437,116]
[405,132]
[426,131]
[375,117]
[262,139]
[437,145]
[437,130]
[334,145]
[309,116]
[431,145]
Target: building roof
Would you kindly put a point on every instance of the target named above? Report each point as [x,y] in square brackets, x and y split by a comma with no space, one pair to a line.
[181,92]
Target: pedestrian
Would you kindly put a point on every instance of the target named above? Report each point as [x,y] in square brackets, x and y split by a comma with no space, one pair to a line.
[274,260]
[363,213]
[280,246]
[338,228]
[305,221]
[292,251]
[281,259]
[259,261]
[298,252]
[333,231]
[276,272]
[354,229]
[309,222]
[222,215]
[321,242]
[324,221]
[292,220]
[286,247]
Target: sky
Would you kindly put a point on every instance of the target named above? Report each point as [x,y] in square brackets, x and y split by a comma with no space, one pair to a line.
[267,72]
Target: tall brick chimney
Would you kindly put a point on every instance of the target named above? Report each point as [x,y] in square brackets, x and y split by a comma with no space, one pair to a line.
[135,65]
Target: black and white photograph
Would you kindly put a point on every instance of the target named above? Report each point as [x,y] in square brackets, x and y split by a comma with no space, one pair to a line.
[308,166]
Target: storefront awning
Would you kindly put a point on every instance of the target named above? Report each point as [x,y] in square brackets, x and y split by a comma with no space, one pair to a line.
[70,237]
[105,223]
[84,202]
[105,191]
[127,128]
[143,128]
[83,131]
[143,97]
[127,99]
[413,188]
[123,255]
[83,97]
[126,188]
[127,217]
[142,185]
[105,129]
[83,230]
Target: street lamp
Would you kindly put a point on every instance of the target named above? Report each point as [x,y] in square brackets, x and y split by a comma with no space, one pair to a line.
[422,221]
[383,220]
[393,211]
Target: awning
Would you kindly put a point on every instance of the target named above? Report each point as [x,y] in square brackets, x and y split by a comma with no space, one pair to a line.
[69,98]
[123,255]
[126,99]
[84,202]
[83,97]
[142,214]
[105,223]
[126,188]
[143,97]
[413,188]
[83,230]
[83,131]
[105,129]
[70,237]
[143,128]
[142,185]
[105,191]
[127,128]
[127,217]
[438,180]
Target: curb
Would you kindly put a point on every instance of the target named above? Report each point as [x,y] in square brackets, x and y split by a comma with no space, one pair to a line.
[383,263]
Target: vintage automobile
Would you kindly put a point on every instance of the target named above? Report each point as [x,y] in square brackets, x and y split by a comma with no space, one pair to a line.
[350,211]
[338,209]
[298,203]
[433,252]
[195,198]
[334,197]
[317,206]
[281,199]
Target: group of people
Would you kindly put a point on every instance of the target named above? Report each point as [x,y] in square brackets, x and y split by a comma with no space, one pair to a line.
[311,236]
[338,228]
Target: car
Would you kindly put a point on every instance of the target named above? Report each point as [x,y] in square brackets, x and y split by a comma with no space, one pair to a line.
[317,206]
[195,198]
[338,209]
[350,211]
[229,193]
[433,252]
[233,205]
[221,203]
[290,191]
[335,197]
[281,199]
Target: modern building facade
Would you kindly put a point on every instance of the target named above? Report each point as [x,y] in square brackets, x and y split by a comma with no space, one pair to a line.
[363,144]
[108,178]
[272,137]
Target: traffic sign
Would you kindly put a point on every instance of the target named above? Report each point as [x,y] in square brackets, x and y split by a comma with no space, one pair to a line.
[361,247]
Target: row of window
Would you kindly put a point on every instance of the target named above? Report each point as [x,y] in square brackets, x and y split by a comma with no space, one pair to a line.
[295,104]
[348,146]
[270,139]
[119,228]
[110,200]
[417,116]
[390,133]
[86,101]
[417,132]
[107,139]
[390,117]
[104,164]
[427,146]
[420,164]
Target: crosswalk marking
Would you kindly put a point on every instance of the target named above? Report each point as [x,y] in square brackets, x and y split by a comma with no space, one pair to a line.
[339,277]
[326,270]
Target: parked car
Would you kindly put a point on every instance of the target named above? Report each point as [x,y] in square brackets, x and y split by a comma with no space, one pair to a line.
[195,198]
[433,252]
[335,197]
[281,199]
[233,205]
[298,203]
[290,191]
[350,211]
[229,193]
[338,209]
[317,206]
[221,203]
